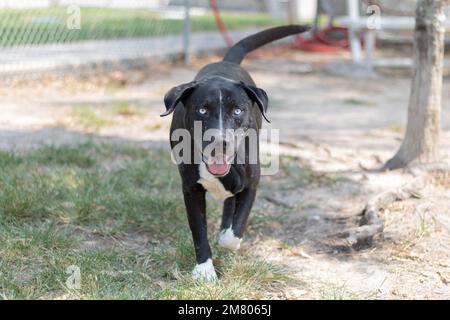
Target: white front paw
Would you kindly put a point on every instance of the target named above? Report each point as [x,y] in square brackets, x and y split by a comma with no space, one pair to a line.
[228,240]
[205,272]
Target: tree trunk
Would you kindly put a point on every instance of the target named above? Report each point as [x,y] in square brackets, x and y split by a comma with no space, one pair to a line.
[421,141]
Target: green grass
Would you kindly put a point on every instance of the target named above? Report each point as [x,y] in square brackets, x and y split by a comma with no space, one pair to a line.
[126,109]
[358,102]
[396,127]
[89,118]
[90,205]
[48,25]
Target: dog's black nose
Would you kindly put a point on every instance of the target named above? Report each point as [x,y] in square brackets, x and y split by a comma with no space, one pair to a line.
[221,146]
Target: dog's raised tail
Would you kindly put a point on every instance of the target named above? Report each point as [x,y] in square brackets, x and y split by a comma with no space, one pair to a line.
[238,52]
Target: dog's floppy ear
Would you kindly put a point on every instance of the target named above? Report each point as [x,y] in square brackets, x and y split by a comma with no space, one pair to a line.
[175,95]
[259,96]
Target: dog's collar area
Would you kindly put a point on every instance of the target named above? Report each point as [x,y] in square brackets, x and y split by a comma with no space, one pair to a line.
[212,184]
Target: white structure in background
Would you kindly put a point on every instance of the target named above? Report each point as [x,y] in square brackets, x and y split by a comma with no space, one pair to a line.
[365,24]
[305,9]
[302,10]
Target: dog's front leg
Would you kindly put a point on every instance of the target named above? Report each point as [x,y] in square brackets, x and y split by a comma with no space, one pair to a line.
[194,200]
[244,205]
[226,236]
[229,207]
[235,217]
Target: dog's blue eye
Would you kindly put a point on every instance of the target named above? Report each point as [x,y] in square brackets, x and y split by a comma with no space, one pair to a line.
[202,111]
[237,111]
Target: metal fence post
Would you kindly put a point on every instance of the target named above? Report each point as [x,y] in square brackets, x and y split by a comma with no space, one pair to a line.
[187,31]
[355,44]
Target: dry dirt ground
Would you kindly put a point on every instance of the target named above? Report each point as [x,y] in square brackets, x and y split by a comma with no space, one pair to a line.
[339,127]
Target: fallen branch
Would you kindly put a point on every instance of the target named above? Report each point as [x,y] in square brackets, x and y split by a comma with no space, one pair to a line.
[278,202]
[371,225]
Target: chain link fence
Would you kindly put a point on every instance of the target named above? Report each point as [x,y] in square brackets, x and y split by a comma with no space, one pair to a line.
[43,34]
[71,23]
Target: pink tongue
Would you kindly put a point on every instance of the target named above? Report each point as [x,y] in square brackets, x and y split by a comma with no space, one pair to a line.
[218,166]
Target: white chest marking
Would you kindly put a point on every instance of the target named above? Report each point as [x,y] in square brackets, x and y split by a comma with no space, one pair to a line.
[212,184]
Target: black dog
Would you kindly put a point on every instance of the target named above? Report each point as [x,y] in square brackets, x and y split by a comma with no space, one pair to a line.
[222,96]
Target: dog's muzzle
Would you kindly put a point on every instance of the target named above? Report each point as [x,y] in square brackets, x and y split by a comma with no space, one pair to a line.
[218,165]
[220,157]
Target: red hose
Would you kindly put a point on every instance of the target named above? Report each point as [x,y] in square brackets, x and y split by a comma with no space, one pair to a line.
[324,36]
[320,42]
[220,24]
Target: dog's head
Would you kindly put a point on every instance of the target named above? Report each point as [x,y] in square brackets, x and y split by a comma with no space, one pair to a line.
[223,106]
